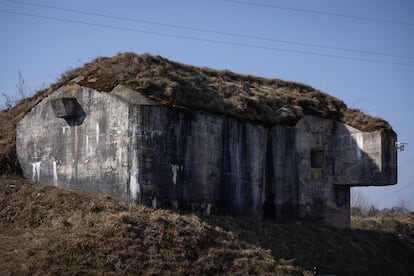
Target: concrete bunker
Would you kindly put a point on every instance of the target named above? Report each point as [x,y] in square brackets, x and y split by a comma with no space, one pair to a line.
[133,146]
[197,161]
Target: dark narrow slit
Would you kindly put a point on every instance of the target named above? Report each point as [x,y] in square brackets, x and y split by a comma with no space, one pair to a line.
[269,208]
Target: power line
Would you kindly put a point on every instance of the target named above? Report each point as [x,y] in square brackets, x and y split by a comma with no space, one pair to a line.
[392,108]
[214,31]
[207,40]
[321,12]
[405,132]
[405,124]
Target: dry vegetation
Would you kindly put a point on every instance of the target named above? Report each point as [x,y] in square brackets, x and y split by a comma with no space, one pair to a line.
[44,229]
[245,97]
[398,223]
[54,231]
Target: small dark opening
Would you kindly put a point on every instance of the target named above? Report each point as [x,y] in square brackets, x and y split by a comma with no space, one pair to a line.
[317,158]
[68,109]
[269,209]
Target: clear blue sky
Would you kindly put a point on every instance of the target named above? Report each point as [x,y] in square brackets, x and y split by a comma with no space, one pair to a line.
[296,40]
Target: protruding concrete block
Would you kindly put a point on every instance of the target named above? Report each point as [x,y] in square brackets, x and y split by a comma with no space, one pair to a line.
[365,159]
[64,107]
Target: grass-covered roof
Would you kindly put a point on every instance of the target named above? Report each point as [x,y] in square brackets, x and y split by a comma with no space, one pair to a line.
[244,97]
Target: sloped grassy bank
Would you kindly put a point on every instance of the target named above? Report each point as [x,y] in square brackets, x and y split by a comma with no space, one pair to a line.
[54,231]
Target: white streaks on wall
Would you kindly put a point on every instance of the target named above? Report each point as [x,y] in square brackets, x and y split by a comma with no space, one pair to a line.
[97,133]
[134,186]
[208,211]
[65,128]
[36,171]
[154,203]
[55,176]
[174,204]
[174,170]
[87,145]
[359,139]
[119,153]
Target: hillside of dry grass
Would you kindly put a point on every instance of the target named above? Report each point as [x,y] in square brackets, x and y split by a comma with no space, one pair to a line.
[54,231]
[46,230]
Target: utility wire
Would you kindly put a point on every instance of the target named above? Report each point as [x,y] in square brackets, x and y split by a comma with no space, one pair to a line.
[321,12]
[404,124]
[392,108]
[205,39]
[213,31]
[405,132]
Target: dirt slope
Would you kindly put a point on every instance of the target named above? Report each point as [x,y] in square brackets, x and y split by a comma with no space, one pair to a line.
[53,231]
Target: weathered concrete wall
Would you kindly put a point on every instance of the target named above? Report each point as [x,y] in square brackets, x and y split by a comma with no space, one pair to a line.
[86,153]
[202,162]
[196,161]
[319,199]
[215,164]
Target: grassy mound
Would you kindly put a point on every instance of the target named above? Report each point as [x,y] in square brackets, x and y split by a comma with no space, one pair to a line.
[45,230]
[247,98]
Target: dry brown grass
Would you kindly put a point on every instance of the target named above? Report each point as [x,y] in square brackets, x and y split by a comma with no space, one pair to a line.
[398,223]
[245,97]
[45,230]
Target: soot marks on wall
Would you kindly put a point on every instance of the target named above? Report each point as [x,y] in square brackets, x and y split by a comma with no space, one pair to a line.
[269,208]
[286,184]
[224,204]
